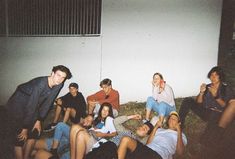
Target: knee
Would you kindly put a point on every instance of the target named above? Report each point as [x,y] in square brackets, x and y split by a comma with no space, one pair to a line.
[75,128]
[60,125]
[150,101]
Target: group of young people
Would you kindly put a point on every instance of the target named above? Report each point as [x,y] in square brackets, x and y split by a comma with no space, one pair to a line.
[96,120]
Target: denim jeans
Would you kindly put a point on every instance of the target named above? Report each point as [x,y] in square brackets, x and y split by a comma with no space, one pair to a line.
[61,135]
[162,108]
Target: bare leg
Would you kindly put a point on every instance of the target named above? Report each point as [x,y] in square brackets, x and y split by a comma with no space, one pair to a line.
[67,114]
[57,113]
[228,115]
[18,152]
[91,106]
[73,135]
[126,143]
[42,154]
[29,147]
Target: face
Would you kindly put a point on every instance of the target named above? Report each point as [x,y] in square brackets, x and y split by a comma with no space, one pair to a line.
[58,77]
[156,79]
[106,88]
[214,77]
[172,121]
[142,130]
[88,121]
[73,91]
[105,112]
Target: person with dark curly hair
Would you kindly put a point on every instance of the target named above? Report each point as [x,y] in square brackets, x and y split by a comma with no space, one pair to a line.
[28,107]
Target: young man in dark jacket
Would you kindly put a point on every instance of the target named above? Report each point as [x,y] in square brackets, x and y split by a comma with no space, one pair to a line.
[27,107]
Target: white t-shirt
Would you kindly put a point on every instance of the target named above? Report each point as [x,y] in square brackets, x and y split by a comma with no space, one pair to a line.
[164,142]
[108,127]
[166,95]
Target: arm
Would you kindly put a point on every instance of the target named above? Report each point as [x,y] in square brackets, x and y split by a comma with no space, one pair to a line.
[199,98]
[82,105]
[122,119]
[151,136]
[180,145]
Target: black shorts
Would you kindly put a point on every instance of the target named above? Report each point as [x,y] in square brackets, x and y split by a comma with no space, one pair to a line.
[143,152]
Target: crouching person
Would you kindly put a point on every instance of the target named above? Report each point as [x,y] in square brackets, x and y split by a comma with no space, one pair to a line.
[161,144]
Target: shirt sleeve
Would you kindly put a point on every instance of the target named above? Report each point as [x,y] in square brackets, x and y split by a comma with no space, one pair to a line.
[31,107]
[118,121]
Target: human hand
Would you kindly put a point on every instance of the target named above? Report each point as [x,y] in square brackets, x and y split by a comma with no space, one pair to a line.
[23,135]
[59,101]
[135,116]
[159,124]
[38,127]
[202,88]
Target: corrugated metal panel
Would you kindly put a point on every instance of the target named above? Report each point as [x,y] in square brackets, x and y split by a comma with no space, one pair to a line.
[53,17]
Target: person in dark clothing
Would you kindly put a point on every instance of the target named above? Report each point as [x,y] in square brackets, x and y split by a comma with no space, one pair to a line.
[73,104]
[27,108]
[212,99]
[210,105]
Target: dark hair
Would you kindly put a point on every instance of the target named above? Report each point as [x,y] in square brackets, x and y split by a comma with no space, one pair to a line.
[106,81]
[63,69]
[219,71]
[150,127]
[159,74]
[99,118]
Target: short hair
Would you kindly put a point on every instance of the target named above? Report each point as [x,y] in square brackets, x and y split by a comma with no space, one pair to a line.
[219,71]
[106,81]
[159,74]
[63,69]
[75,85]
[150,127]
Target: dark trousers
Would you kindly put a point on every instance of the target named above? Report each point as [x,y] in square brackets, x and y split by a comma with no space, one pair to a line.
[205,114]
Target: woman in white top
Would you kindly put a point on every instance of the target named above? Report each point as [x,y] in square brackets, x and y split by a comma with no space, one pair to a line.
[82,141]
[162,99]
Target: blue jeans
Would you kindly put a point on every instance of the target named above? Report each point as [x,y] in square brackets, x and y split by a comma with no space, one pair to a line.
[61,135]
[162,108]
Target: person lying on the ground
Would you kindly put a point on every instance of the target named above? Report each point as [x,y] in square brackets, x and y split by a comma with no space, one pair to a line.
[58,145]
[161,144]
[82,141]
[141,132]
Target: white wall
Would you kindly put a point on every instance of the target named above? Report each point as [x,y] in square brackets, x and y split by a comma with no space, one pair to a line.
[177,38]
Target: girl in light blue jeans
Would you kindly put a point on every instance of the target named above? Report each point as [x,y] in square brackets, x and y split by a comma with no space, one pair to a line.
[162,99]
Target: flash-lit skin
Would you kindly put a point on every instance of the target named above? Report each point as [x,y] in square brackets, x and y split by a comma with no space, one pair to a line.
[106,88]
[215,83]
[104,112]
[56,78]
[73,91]
[87,121]
[142,130]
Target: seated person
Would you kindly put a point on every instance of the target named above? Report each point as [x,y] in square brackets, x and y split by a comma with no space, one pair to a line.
[106,95]
[214,104]
[162,99]
[82,141]
[60,141]
[73,104]
[161,144]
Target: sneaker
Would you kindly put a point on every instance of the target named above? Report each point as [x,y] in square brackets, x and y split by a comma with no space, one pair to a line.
[50,127]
